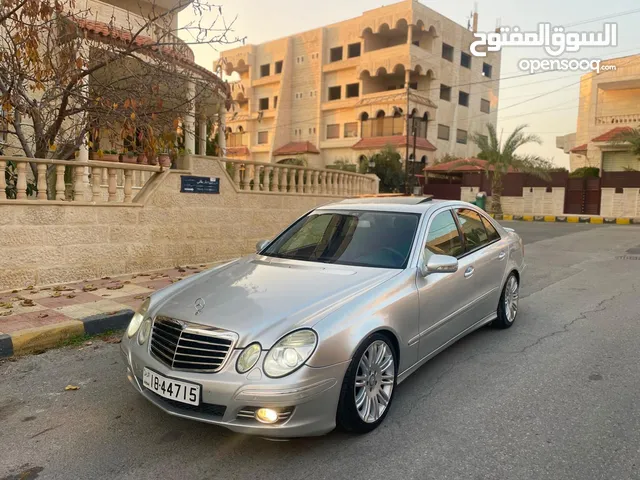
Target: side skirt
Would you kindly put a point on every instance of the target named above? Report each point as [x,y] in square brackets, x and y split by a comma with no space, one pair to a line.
[404,375]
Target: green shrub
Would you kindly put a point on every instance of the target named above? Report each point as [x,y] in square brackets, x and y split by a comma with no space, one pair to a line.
[585,172]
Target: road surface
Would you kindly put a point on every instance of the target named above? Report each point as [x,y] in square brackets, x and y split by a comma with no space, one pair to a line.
[555,397]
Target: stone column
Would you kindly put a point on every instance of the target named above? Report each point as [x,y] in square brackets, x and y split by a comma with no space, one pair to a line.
[189,122]
[222,143]
[409,34]
[203,136]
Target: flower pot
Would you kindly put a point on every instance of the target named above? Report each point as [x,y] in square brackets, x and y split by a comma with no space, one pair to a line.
[153,160]
[109,157]
[165,160]
[93,156]
[129,159]
[142,159]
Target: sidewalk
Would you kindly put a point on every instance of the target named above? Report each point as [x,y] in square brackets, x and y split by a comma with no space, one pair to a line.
[597,219]
[36,318]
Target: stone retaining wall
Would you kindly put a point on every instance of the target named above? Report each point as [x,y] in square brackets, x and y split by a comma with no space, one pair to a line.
[44,243]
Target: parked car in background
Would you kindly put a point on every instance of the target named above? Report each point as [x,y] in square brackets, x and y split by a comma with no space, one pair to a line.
[320,325]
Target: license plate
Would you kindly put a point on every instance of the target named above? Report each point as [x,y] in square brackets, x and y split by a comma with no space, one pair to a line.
[179,391]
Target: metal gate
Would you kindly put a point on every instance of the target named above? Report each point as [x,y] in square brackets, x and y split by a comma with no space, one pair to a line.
[582,196]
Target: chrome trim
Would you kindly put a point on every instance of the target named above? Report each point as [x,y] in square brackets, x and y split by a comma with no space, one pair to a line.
[160,350]
[413,340]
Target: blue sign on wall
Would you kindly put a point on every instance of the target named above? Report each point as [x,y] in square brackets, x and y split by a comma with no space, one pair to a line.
[191,184]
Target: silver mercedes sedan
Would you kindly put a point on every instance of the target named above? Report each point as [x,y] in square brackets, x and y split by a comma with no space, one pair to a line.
[318,327]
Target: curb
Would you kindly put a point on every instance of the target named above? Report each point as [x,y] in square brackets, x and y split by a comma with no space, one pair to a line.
[569,219]
[36,339]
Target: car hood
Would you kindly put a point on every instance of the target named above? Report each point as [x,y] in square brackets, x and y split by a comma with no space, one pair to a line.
[262,298]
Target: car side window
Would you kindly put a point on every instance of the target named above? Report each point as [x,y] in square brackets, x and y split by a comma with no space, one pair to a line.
[443,237]
[475,235]
[492,233]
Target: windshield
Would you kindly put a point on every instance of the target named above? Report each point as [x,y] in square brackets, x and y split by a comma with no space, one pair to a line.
[371,239]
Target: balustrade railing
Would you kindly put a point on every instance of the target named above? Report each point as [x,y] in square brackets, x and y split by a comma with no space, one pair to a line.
[274,177]
[623,119]
[92,181]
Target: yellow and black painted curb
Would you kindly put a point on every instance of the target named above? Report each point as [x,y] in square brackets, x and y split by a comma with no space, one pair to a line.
[41,338]
[569,219]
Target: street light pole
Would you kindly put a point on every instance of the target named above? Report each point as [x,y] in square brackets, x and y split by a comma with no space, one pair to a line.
[406,154]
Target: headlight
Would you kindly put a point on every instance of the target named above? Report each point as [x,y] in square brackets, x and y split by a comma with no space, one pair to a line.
[290,353]
[248,358]
[144,332]
[138,317]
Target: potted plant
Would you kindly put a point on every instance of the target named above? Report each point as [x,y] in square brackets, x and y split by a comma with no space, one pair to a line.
[164,144]
[108,155]
[141,157]
[129,157]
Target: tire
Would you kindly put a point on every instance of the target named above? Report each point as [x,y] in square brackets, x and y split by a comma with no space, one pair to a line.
[508,306]
[373,388]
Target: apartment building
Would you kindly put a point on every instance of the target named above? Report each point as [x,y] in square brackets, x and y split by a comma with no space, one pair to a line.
[344,91]
[609,104]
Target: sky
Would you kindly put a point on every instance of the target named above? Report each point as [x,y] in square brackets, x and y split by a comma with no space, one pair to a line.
[547,102]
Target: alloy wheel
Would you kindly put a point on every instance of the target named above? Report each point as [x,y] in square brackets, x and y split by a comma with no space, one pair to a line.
[511,299]
[374,383]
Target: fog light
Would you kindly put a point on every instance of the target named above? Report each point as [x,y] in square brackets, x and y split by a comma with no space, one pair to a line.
[266,415]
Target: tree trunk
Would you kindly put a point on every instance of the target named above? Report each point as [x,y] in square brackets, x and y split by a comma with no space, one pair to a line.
[496,193]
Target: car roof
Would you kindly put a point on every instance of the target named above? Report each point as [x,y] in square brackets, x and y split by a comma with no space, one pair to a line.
[407,204]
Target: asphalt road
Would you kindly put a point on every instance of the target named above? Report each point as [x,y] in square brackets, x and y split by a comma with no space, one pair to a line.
[557,396]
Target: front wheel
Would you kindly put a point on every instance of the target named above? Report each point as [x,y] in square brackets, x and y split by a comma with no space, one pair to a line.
[508,306]
[368,386]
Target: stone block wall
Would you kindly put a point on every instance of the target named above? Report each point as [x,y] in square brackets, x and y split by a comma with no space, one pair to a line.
[44,244]
[625,204]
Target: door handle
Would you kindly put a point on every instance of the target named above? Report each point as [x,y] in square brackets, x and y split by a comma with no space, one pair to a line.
[502,255]
[468,272]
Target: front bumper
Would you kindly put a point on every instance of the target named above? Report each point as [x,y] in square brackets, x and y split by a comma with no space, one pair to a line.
[313,393]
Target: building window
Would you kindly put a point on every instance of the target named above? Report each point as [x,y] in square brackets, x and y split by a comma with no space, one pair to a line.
[485,106]
[333,131]
[335,54]
[353,90]
[445,92]
[351,130]
[463,98]
[461,136]
[465,60]
[300,59]
[335,93]
[484,137]
[265,70]
[263,104]
[278,67]
[275,102]
[486,70]
[447,52]
[353,50]
[413,85]
[443,132]
[263,138]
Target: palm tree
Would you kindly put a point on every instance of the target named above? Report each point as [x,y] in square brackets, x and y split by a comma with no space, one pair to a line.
[501,157]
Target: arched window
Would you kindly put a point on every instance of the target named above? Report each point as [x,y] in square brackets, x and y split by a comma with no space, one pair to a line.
[380,114]
[364,116]
[240,129]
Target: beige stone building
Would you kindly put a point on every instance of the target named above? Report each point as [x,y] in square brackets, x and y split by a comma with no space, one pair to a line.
[609,103]
[342,92]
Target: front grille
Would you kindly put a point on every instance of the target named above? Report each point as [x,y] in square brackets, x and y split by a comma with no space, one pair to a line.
[204,408]
[188,346]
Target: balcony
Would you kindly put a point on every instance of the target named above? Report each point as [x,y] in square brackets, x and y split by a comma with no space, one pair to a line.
[269,79]
[238,139]
[119,18]
[623,119]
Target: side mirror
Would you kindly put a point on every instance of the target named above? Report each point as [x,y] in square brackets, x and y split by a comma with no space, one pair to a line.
[440,264]
[261,245]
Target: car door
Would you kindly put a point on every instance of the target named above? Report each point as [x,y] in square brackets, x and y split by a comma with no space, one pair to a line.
[442,296]
[486,259]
